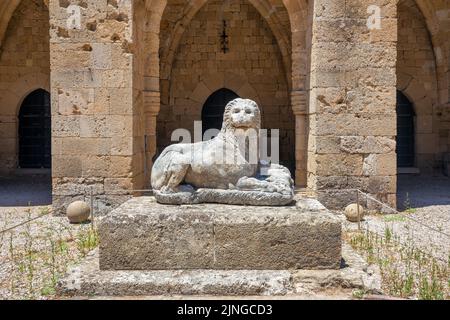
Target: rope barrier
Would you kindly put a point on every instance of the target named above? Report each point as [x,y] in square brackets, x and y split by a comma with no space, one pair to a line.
[404,244]
[129,193]
[402,214]
[91,196]
[25,223]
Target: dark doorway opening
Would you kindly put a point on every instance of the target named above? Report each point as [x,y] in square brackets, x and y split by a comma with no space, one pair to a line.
[405,132]
[35,131]
[214,108]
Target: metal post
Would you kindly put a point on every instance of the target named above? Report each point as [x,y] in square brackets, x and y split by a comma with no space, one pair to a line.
[357,208]
[92,208]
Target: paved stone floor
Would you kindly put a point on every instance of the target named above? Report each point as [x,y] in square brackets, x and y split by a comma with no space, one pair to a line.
[419,191]
[25,191]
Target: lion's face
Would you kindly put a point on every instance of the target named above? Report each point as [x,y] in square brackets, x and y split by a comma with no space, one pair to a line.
[242,114]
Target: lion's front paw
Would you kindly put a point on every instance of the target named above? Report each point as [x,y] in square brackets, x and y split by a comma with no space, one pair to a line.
[253,184]
[185,188]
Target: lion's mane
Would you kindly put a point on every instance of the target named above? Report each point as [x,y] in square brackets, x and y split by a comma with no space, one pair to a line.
[227,124]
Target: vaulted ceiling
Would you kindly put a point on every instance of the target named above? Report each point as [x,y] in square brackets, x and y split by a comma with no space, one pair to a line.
[7,9]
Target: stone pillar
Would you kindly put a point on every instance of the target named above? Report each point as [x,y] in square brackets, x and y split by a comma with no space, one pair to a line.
[92,101]
[299,106]
[152,106]
[353,101]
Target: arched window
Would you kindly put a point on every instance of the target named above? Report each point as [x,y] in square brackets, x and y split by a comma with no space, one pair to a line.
[35,131]
[405,132]
[214,108]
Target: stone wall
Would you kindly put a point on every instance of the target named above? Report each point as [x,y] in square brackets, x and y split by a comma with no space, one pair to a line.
[352,102]
[24,67]
[253,68]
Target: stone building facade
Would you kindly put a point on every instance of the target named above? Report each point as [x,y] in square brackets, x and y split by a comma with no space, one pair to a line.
[328,73]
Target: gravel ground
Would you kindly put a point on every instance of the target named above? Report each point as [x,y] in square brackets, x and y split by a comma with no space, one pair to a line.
[34,256]
[415,233]
[426,222]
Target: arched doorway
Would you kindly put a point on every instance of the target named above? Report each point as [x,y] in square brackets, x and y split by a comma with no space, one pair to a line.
[214,108]
[405,132]
[35,131]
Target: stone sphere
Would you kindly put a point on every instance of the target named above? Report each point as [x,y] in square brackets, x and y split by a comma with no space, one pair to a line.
[78,212]
[351,212]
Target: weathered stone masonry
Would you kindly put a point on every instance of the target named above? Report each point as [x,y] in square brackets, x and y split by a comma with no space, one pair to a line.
[94,117]
[352,102]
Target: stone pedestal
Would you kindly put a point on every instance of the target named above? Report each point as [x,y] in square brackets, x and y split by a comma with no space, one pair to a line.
[144,235]
[152,250]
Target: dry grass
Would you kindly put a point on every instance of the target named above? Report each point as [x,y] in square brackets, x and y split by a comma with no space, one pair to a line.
[34,261]
[406,271]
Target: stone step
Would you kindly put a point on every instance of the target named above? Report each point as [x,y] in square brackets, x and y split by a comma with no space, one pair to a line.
[87,280]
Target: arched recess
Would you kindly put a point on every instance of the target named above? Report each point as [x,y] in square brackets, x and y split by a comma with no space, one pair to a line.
[35,131]
[24,67]
[296,60]
[7,10]
[417,79]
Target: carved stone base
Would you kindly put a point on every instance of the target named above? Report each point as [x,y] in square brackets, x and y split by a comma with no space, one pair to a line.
[275,189]
[231,197]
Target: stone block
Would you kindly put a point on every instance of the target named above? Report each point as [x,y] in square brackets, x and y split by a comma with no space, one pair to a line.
[380,164]
[367,145]
[337,199]
[355,124]
[339,164]
[144,235]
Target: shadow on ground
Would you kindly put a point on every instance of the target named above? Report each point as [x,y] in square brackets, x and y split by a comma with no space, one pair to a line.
[418,191]
[23,191]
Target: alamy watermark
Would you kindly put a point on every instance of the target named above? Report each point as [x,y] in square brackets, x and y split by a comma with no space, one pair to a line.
[374,20]
[74,19]
[75,15]
[230,147]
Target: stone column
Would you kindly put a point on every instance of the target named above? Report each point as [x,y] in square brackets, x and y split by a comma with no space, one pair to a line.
[92,100]
[152,106]
[299,106]
[353,101]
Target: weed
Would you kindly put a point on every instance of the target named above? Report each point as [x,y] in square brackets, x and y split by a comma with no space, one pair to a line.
[87,240]
[394,218]
[406,271]
[359,294]
[38,259]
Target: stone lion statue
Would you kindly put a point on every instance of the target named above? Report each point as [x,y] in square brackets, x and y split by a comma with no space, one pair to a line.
[224,169]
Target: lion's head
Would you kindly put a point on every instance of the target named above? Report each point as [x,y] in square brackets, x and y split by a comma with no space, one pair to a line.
[242,114]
